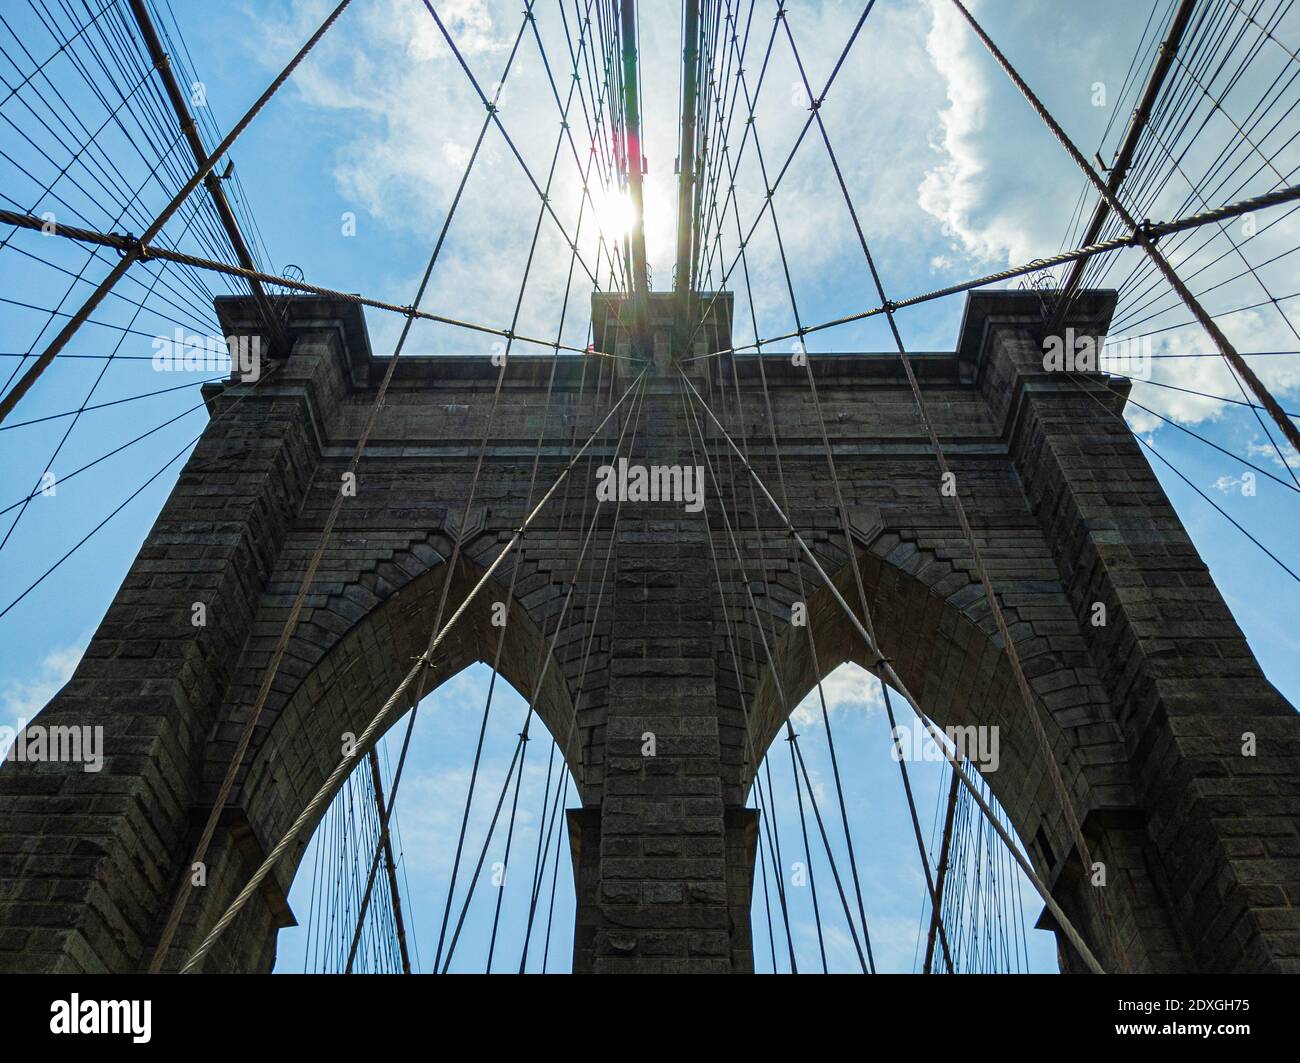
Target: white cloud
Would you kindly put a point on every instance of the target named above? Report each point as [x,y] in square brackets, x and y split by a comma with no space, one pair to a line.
[1271,452]
[848,688]
[401,120]
[967,189]
[1254,330]
[24,698]
[1228,483]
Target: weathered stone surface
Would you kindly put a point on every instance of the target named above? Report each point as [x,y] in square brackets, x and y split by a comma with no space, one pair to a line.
[1145,714]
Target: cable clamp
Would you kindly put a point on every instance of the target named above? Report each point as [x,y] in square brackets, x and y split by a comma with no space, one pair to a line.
[142,250]
[882,661]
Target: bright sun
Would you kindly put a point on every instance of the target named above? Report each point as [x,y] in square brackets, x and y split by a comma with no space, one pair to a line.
[615,214]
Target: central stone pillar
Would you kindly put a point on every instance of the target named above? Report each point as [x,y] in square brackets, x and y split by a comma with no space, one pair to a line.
[664,868]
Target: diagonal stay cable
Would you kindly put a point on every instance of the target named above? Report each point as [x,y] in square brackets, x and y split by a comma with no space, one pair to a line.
[770,191]
[364,741]
[49,571]
[634,419]
[518,557]
[1216,334]
[524,739]
[116,450]
[1150,231]
[82,541]
[549,817]
[1253,271]
[766,802]
[491,107]
[291,621]
[11,398]
[1290,486]
[792,740]
[896,681]
[840,506]
[771,420]
[57,52]
[593,626]
[1202,394]
[113,402]
[555,877]
[501,636]
[565,129]
[1222,512]
[127,243]
[724,161]
[869,962]
[76,415]
[1031,704]
[782,694]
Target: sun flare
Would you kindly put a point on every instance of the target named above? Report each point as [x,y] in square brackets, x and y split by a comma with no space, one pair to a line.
[615,214]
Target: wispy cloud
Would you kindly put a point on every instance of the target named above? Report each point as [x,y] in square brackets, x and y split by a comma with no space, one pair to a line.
[24,698]
[849,688]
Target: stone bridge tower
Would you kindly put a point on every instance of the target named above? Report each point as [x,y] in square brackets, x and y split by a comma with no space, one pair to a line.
[1146,714]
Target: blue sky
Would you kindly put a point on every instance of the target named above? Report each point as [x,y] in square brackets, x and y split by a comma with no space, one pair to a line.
[950,171]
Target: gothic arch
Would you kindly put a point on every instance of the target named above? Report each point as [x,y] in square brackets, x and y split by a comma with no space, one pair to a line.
[350,677]
[934,625]
[353,679]
[1144,714]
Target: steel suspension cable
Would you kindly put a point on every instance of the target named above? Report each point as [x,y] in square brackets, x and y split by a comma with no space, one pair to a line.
[634,419]
[893,678]
[1216,334]
[1031,703]
[842,510]
[330,786]
[469,502]
[12,397]
[771,419]
[766,802]
[768,653]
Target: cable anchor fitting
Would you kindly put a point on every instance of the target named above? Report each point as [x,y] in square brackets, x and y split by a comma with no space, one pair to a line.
[140,248]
